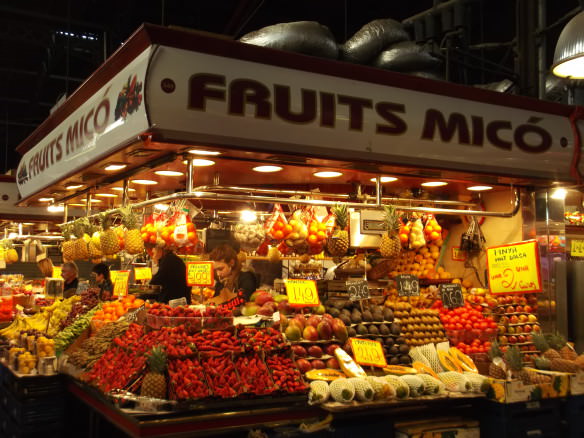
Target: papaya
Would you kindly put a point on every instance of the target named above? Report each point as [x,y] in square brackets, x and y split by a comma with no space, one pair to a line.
[448,362]
[462,360]
[327,374]
[399,370]
[424,369]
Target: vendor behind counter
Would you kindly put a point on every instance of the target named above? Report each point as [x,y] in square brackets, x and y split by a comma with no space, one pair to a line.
[171,276]
[231,281]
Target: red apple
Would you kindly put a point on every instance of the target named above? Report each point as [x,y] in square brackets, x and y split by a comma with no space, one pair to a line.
[333,363]
[503,340]
[318,364]
[303,365]
[510,309]
[310,333]
[521,339]
[330,350]
[536,329]
[527,328]
[519,309]
[528,309]
[512,339]
[514,319]
[315,351]
[299,350]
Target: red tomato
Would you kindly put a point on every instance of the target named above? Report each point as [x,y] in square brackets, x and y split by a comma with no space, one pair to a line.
[467,327]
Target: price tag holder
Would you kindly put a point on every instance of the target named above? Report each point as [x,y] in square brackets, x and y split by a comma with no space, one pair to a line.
[368,352]
[408,285]
[120,281]
[177,302]
[577,248]
[358,290]
[451,294]
[142,273]
[200,274]
[56,272]
[302,293]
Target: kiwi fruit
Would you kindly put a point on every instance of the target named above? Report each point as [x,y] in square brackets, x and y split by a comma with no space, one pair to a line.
[362,330]
[400,340]
[367,316]
[383,330]
[404,349]
[380,340]
[394,350]
[373,330]
[394,361]
[351,332]
[395,328]
[405,359]
[389,342]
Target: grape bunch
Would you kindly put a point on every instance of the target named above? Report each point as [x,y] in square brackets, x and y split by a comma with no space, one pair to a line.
[89,300]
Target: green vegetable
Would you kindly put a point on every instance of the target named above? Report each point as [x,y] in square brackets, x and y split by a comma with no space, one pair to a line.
[67,336]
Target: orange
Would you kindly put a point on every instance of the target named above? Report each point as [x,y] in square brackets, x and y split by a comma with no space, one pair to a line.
[312,239]
[153,238]
[190,226]
[145,237]
[278,225]
[278,234]
[192,236]
[287,229]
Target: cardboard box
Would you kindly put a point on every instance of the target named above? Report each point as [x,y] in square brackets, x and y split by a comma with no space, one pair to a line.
[514,391]
[577,383]
[440,427]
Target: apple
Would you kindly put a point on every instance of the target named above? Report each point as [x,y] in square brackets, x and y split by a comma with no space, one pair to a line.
[514,320]
[501,329]
[523,318]
[310,333]
[511,330]
[512,339]
[318,364]
[504,320]
[521,339]
[303,365]
[313,320]
[532,318]
[522,301]
[333,363]
[263,298]
[519,309]
[527,328]
[528,309]
[520,329]
[330,350]
[536,329]
[510,309]
[503,340]
[315,351]
[299,350]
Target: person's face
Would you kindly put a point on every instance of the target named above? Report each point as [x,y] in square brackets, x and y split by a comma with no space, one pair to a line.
[223,269]
[68,274]
[99,278]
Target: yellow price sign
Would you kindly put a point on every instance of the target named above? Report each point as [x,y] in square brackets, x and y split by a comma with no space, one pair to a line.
[302,293]
[514,268]
[200,274]
[120,281]
[56,272]
[142,273]
[577,248]
[458,255]
[368,352]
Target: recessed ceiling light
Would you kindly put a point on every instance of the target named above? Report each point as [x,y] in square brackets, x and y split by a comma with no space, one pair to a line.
[161,207]
[203,152]
[74,186]
[114,167]
[76,205]
[201,162]
[27,223]
[95,201]
[46,199]
[168,173]
[106,195]
[121,189]
[144,182]
[267,169]
[479,188]
[385,179]
[248,216]
[56,208]
[327,174]
[559,193]
[434,184]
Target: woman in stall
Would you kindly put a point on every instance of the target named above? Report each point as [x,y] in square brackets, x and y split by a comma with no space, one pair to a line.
[101,275]
[231,283]
[171,276]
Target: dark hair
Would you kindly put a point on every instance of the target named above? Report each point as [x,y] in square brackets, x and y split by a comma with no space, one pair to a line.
[103,269]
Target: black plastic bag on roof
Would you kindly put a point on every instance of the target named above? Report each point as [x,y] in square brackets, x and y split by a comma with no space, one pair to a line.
[371,39]
[307,37]
[434,74]
[407,56]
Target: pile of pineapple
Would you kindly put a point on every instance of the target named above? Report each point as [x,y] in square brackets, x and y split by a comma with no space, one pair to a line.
[85,241]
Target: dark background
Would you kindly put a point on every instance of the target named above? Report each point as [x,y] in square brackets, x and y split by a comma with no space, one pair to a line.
[49,47]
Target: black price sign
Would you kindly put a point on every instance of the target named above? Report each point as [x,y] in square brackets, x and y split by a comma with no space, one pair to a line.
[451,294]
[408,285]
[358,290]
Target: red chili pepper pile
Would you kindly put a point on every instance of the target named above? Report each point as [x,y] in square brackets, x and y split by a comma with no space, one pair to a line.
[254,374]
[130,337]
[216,342]
[266,339]
[222,377]
[115,369]
[285,374]
[187,379]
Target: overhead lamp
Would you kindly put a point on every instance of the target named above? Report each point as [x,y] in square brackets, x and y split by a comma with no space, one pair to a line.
[94,201]
[434,184]
[121,189]
[27,223]
[327,174]
[384,179]
[106,195]
[267,169]
[203,152]
[74,186]
[46,199]
[76,205]
[569,54]
[161,207]
[479,188]
[169,173]
[56,208]
[248,216]
[201,162]
[559,193]
[144,182]
[115,166]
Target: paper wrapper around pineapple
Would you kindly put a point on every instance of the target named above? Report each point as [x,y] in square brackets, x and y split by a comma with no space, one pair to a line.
[46,267]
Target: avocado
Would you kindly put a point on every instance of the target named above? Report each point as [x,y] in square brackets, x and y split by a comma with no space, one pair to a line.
[345,318]
[377,316]
[388,314]
[346,312]
[367,316]
[340,304]
[351,332]
[334,312]
[395,328]
[362,330]
[356,318]
[373,330]
[383,330]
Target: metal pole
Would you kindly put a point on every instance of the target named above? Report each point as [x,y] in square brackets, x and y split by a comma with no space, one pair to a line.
[125,192]
[88,204]
[541,47]
[190,175]
[378,189]
[65,212]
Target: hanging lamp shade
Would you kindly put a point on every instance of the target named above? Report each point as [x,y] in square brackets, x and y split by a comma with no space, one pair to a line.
[569,54]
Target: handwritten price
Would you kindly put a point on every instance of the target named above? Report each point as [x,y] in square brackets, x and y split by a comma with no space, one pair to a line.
[577,248]
[302,293]
[367,352]
[451,295]
[200,274]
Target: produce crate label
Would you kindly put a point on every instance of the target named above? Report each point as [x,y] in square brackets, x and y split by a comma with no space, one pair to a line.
[120,281]
[200,274]
[182,301]
[302,292]
[368,352]
[451,295]
[407,285]
[458,255]
[56,272]
[142,273]
[514,268]
[358,290]
[577,248]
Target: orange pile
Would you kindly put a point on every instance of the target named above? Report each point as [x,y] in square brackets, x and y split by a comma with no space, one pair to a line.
[112,310]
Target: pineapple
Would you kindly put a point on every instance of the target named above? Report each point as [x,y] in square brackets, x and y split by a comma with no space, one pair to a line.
[497,366]
[514,360]
[67,247]
[338,244]
[558,343]
[95,253]
[154,383]
[390,245]
[133,237]
[556,361]
[108,238]
[80,247]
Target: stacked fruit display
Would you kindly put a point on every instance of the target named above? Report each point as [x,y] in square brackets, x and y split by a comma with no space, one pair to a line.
[313,328]
[162,315]
[418,326]
[89,300]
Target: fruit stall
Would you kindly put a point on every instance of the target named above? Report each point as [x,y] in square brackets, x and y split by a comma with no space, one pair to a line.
[399,287]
